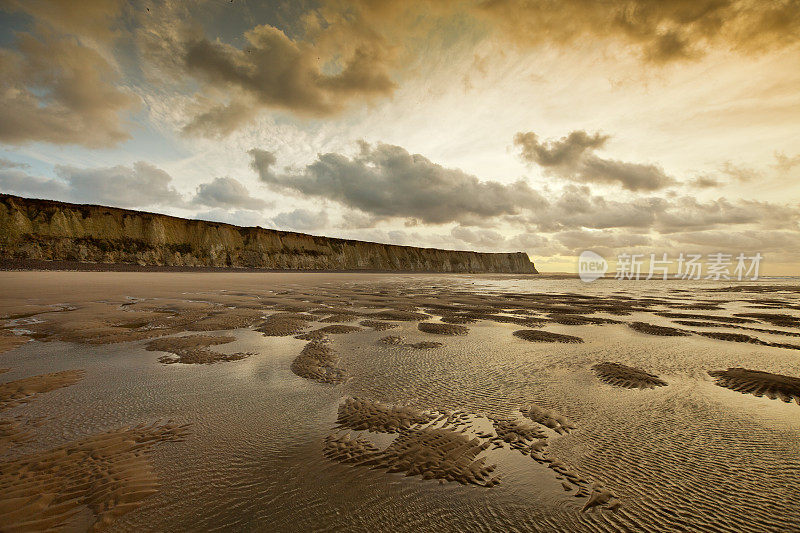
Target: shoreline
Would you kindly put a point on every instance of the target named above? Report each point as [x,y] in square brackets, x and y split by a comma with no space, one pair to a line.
[33,265]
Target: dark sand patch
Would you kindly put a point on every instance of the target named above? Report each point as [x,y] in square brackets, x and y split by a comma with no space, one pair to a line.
[405,316]
[391,340]
[458,319]
[536,335]
[227,319]
[517,433]
[780,320]
[361,414]
[601,496]
[425,345]
[334,329]
[652,329]
[550,419]
[431,453]
[741,337]
[580,320]
[629,377]
[378,325]
[338,318]
[284,324]
[774,386]
[712,318]
[193,349]
[394,340]
[12,432]
[23,390]
[699,324]
[345,449]
[439,328]
[9,341]
[320,363]
[109,473]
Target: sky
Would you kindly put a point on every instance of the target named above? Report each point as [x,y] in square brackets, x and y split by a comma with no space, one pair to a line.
[543,126]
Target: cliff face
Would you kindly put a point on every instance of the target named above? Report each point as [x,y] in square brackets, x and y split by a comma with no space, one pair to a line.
[48,230]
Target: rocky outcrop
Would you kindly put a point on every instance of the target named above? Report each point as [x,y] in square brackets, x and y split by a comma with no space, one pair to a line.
[58,231]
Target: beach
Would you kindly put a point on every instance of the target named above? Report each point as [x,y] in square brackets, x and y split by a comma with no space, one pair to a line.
[331,401]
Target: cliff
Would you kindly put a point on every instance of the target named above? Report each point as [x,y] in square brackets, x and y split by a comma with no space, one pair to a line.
[57,231]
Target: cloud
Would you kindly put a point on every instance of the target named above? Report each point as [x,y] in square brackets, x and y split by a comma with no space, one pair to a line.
[7,163]
[571,158]
[660,32]
[301,220]
[53,89]
[785,163]
[94,19]
[237,217]
[20,183]
[478,237]
[704,182]
[139,186]
[387,181]
[227,193]
[567,151]
[273,71]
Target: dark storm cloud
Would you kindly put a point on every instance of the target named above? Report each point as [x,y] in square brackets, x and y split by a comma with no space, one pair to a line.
[572,158]
[387,181]
[660,31]
[227,193]
[138,186]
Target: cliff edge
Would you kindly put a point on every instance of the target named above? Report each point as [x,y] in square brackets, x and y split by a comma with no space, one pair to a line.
[58,231]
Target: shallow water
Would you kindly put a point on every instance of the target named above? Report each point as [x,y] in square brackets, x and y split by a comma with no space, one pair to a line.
[689,456]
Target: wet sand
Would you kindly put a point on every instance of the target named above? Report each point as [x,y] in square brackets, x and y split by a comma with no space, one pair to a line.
[311,412]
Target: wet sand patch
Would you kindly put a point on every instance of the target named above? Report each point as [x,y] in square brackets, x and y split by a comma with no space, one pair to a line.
[193,349]
[537,335]
[629,377]
[758,383]
[110,473]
